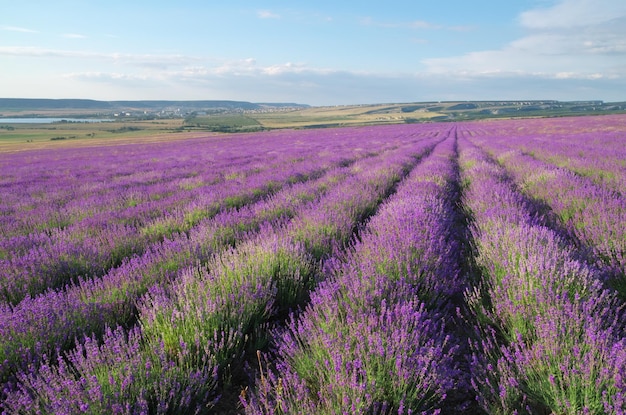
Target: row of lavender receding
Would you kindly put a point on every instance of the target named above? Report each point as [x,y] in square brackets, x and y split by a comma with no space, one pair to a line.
[126,277]
[590,147]
[550,336]
[468,291]
[42,324]
[376,337]
[205,320]
[90,240]
[592,214]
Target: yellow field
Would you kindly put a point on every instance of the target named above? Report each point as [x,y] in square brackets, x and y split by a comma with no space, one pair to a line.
[19,137]
[342,115]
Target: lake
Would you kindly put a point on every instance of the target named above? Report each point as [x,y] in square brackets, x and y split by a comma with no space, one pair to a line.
[42,120]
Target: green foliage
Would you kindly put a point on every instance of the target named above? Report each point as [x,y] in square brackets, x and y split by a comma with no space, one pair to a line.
[161,228]
[221,306]
[125,129]
[226,123]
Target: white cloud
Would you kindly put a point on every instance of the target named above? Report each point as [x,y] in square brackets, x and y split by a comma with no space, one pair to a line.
[36,52]
[74,36]
[147,60]
[571,40]
[17,29]
[266,14]
[203,73]
[107,76]
[289,82]
[288,67]
[573,13]
[421,24]
[235,67]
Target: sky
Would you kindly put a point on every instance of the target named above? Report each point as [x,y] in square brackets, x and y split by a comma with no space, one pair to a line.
[318,53]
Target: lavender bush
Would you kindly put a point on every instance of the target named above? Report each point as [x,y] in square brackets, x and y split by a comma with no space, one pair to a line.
[172,321]
[550,338]
[366,343]
[425,268]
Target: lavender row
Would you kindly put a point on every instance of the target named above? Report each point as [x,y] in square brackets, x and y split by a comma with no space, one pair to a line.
[592,214]
[549,337]
[68,255]
[96,243]
[51,321]
[236,296]
[273,271]
[589,146]
[212,310]
[41,324]
[55,190]
[93,248]
[589,155]
[203,163]
[71,185]
[374,339]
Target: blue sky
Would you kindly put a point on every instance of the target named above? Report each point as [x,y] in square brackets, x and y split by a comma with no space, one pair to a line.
[317,53]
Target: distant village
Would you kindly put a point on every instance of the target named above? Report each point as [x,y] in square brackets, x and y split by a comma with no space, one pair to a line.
[197,111]
[151,110]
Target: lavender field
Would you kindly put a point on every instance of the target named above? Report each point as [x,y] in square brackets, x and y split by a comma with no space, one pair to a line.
[437,268]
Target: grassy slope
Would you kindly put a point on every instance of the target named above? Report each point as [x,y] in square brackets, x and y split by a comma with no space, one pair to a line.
[341,115]
[35,136]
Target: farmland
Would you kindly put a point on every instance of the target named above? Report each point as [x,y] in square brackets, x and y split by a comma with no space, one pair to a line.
[22,126]
[462,267]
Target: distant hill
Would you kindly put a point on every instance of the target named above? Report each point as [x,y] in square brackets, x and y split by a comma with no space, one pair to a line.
[225,115]
[28,104]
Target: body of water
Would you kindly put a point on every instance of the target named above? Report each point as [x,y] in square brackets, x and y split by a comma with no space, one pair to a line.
[50,120]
